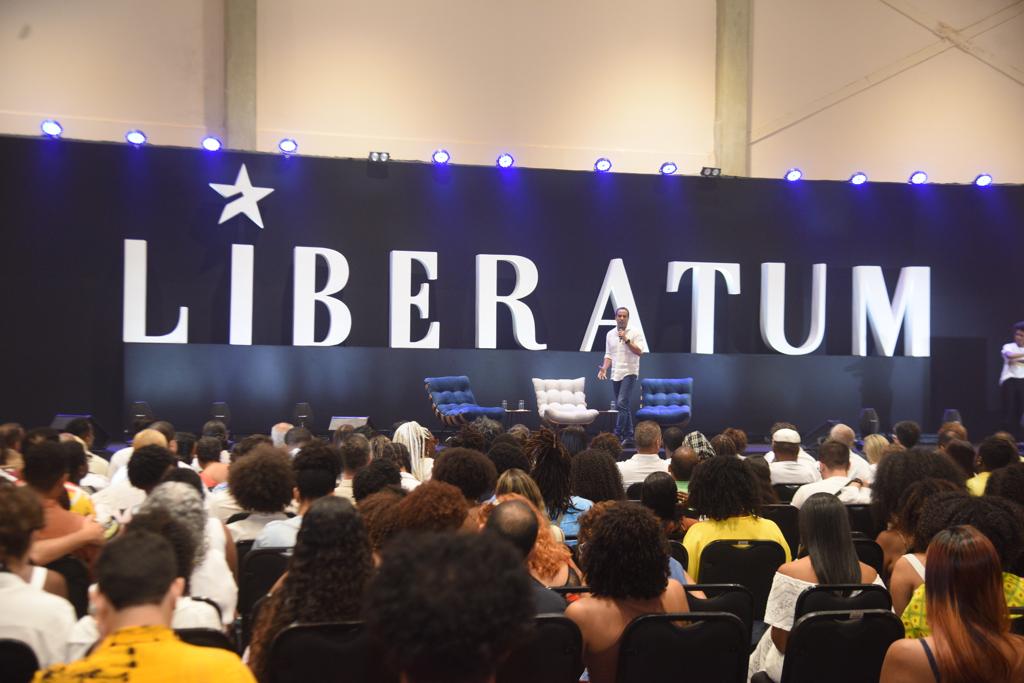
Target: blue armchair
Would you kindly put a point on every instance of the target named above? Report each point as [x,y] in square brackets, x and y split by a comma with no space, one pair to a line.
[666,401]
[454,403]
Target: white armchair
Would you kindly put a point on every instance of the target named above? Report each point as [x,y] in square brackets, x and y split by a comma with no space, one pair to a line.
[562,401]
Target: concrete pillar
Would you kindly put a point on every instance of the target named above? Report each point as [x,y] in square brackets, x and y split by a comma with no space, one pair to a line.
[240,74]
[733,54]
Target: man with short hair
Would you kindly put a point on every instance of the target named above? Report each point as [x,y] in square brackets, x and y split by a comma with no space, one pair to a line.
[834,462]
[681,465]
[316,468]
[145,469]
[785,466]
[133,605]
[907,432]
[81,429]
[355,455]
[646,459]
[993,453]
[516,522]
[622,350]
[859,467]
[297,438]
[671,439]
[143,437]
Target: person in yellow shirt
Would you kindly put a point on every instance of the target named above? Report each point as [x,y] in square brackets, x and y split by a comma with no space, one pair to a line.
[725,496]
[133,607]
[994,452]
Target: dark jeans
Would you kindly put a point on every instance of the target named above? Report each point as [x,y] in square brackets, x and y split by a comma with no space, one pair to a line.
[623,390]
[1012,391]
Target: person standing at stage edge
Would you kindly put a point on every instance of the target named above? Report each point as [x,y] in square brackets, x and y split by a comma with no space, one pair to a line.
[1011,381]
[622,350]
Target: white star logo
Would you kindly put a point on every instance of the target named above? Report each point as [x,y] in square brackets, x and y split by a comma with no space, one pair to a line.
[245,204]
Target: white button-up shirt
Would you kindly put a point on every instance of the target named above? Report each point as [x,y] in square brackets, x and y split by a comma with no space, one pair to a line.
[624,361]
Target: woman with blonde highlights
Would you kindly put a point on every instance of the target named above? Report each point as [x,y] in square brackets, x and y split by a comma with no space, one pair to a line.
[969,619]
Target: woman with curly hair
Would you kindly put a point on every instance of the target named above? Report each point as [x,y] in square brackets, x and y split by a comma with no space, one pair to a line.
[594,476]
[971,639]
[625,560]
[552,470]
[894,475]
[1007,482]
[326,578]
[726,497]
[550,562]
[434,506]
[262,483]
[608,442]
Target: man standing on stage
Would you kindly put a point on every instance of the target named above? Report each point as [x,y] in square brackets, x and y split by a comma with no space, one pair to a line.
[622,350]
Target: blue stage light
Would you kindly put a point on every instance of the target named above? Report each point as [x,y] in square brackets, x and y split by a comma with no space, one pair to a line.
[135,137]
[505,160]
[918,178]
[288,146]
[602,165]
[983,180]
[211,144]
[51,128]
[668,168]
[441,157]
[794,174]
[859,178]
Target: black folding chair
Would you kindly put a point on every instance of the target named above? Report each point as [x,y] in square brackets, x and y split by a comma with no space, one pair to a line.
[238,517]
[749,563]
[690,646]
[1017,620]
[260,570]
[862,520]
[786,491]
[18,662]
[787,518]
[242,549]
[723,597]
[870,553]
[820,645]
[676,549]
[337,652]
[205,637]
[842,597]
[76,575]
[552,653]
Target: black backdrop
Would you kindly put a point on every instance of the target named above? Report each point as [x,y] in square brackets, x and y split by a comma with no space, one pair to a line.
[68,206]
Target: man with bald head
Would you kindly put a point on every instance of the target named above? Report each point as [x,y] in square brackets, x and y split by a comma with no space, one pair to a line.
[859,467]
[681,465]
[278,431]
[516,522]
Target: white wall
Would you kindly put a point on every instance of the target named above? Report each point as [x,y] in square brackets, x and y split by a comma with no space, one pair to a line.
[837,86]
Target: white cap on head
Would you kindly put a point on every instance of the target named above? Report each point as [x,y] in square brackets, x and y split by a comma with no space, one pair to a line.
[786,436]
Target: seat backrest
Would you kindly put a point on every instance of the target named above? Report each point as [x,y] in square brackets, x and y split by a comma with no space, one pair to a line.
[17,661]
[840,647]
[666,392]
[238,517]
[687,646]
[870,553]
[205,637]
[76,575]
[787,518]
[336,651]
[723,597]
[450,390]
[676,550]
[560,392]
[242,549]
[1017,625]
[552,653]
[785,491]
[862,520]
[842,597]
[750,563]
[261,569]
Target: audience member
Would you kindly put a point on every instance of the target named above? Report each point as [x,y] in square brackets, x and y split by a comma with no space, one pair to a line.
[133,606]
[971,639]
[355,455]
[723,445]
[739,437]
[316,469]
[1007,482]
[993,453]
[671,438]
[78,498]
[550,561]
[468,436]
[143,437]
[680,466]
[377,445]
[646,459]
[658,494]
[434,506]
[574,438]
[489,429]
[262,483]
[421,445]
[81,428]
[449,607]
[831,559]
[507,454]
[907,432]
[380,516]
[786,465]
[957,429]
[700,445]
[468,470]
[211,470]
[625,561]
[520,432]
[398,454]
[608,442]
[326,578]
[552,470]
[376,476]
[834,464]
[725,495]
[11,436]
[278,432]
[758,468]
[874,448]
[296,439]
[595,476]
[246,446]
[29,614]
[522,525]
[859,466]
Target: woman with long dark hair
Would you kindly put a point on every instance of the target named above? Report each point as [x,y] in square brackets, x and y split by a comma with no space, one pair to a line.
[326,578]
[595,476]
[552,470]
[831,559]
[971,639]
